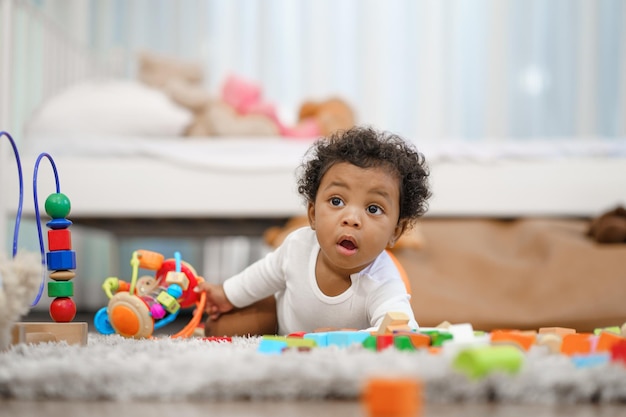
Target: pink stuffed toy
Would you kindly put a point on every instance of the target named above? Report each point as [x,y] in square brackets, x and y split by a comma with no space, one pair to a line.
[246,99]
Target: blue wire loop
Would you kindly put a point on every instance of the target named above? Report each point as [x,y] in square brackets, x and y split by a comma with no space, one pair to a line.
[18,216]
[38,217]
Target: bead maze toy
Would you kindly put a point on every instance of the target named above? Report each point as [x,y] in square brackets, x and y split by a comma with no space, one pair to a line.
[60,260]
[138,307]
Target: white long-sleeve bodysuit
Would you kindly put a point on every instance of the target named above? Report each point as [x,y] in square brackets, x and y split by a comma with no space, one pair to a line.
[289,273]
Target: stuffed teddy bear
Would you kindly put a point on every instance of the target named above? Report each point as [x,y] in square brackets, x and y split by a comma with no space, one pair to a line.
[158,70]
[329,115]
[20,278]
[274,236]
[610,227]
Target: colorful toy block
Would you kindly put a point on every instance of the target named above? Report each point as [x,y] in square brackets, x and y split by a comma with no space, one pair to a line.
[618,352]
[524,339]
[606,340]
[271,347]
[392,397]
[577,343]
[345,338]
[561,331]
[321,338]
[591,360]
[179,278]
[552,341]
[394,321]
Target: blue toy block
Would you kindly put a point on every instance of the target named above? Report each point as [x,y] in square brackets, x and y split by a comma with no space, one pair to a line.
[346,338]
[591,360]
[271,347]
[61,260]
[320,338]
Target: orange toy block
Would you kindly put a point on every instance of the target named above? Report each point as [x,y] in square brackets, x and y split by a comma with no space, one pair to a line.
[576,343]
[607,340]
[393,397]
[59,239]
[524,339]
[395,321]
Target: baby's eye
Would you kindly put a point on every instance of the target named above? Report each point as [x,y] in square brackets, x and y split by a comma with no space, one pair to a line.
[374,209]
[336,201]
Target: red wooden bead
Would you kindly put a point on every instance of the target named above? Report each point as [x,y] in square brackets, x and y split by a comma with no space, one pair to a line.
[62,309]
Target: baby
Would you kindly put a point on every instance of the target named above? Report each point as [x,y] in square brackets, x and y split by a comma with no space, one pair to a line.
[363,189]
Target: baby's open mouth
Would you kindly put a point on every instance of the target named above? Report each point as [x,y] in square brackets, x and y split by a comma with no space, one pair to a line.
[347,244]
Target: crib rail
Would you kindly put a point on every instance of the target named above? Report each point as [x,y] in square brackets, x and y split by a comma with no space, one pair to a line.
[40,58]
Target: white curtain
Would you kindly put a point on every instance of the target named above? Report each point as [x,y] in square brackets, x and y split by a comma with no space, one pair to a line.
[474,70]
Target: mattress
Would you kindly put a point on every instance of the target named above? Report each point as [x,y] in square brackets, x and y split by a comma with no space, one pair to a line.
[231,177]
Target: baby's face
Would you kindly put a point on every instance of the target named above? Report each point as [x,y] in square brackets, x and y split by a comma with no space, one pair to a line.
[355,215]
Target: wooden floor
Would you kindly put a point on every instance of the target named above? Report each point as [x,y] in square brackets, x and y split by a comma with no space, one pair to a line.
[286,409]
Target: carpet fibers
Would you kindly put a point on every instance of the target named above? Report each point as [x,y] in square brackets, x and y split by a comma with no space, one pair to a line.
[114,368]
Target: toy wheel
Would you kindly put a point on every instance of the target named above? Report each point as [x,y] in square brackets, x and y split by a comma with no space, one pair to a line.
[129,316]
[102,323]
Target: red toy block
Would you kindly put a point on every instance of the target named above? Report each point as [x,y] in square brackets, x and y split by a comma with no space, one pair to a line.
[59,239]
[618,352]
[384,341]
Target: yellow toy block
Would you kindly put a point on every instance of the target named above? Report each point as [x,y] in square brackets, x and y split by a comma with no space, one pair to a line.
[561,331]
[394,321]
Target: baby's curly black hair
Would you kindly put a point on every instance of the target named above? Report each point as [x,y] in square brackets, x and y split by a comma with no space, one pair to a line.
[366,147]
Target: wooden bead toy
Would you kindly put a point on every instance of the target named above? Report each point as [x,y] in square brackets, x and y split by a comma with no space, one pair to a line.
[60,258]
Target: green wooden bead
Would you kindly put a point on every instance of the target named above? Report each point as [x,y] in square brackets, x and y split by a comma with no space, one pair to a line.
[58,206]
[60,289]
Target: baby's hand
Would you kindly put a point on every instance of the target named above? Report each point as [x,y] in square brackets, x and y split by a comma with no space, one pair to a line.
[216,300]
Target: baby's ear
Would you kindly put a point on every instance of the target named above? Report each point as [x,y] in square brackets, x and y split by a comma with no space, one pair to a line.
[310,212]
[398,231]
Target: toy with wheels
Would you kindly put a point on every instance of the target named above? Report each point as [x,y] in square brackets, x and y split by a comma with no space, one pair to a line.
[150,302]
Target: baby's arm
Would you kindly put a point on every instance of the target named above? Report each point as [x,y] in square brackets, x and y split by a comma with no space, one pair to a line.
[216,300]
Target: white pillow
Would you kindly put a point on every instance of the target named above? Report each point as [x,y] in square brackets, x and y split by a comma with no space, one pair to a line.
[111,107]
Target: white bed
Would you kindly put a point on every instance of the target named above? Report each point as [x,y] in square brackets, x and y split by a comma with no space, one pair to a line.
[248,178]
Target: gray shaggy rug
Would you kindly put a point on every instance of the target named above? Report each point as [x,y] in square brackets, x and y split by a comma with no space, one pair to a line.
[114,368]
